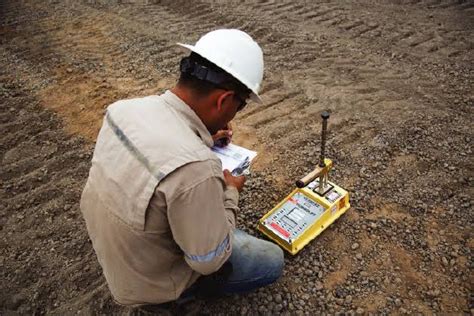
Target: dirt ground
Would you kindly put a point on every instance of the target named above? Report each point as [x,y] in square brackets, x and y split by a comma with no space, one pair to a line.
[397,77]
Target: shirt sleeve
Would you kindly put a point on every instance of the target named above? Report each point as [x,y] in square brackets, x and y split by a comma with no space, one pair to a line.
[202,220]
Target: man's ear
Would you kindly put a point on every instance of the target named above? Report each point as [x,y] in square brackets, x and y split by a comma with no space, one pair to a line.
[221,99]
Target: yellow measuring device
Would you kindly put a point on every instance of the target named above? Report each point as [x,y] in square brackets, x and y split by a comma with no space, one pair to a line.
[314,205]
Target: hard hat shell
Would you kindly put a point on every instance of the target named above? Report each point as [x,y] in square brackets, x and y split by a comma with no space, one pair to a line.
[235,52]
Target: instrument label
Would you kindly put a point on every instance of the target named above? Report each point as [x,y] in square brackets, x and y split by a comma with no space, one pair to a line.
[291,219]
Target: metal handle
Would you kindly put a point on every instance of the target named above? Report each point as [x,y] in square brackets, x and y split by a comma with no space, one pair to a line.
[301,183]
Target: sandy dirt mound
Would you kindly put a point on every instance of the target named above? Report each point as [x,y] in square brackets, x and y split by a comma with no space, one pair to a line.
[397,77]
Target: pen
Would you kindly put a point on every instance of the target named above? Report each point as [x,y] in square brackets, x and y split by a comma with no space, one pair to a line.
[242,167]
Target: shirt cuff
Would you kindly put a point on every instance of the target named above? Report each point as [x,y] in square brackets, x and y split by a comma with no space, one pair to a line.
[231,193]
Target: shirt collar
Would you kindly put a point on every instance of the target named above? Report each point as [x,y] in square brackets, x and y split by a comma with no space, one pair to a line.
[194,122]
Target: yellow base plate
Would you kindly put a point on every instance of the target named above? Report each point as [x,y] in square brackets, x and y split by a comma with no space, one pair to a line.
[331,210]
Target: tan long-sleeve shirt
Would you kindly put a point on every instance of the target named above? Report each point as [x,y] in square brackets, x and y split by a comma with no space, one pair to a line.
[156,205]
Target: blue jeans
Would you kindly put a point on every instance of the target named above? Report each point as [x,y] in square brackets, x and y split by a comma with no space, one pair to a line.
[253,263]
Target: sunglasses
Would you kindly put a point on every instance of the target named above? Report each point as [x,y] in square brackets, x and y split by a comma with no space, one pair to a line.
[242,101]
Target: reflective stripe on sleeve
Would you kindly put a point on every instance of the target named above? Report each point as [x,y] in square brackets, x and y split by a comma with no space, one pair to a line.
[211,255]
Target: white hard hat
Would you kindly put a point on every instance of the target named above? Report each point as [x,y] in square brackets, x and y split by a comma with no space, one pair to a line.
[235,52]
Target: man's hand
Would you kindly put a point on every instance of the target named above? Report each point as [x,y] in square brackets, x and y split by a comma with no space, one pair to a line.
[236,182]
[223,137]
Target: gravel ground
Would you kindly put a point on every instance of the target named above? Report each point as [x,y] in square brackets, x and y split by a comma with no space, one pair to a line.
[397,77]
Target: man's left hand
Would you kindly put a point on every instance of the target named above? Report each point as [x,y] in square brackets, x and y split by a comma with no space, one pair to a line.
[223,137]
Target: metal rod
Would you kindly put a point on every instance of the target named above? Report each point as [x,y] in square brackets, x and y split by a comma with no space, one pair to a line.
[322,164]
[325,117]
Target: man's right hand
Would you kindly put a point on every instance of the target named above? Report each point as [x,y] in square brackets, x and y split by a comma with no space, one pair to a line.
[236,182]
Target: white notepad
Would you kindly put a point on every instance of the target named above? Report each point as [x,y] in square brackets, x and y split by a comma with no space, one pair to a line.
[234,158]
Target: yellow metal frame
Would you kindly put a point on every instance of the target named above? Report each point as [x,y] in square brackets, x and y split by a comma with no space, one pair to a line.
[333,210]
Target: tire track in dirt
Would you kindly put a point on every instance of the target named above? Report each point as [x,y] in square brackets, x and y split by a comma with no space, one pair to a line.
[336,65]
[42,173]
[82,58]
[361,21]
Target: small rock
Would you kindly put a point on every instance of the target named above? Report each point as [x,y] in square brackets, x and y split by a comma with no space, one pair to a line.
[278,298]
[355,246]
[277,308]
[444,260]
[319,286]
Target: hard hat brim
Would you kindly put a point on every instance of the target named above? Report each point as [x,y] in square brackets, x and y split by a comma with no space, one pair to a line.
[253,95]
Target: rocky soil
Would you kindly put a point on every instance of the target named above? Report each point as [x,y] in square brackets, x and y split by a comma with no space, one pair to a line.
[397,77]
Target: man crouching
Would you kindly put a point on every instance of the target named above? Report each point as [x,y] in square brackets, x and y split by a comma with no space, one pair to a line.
[159,210]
